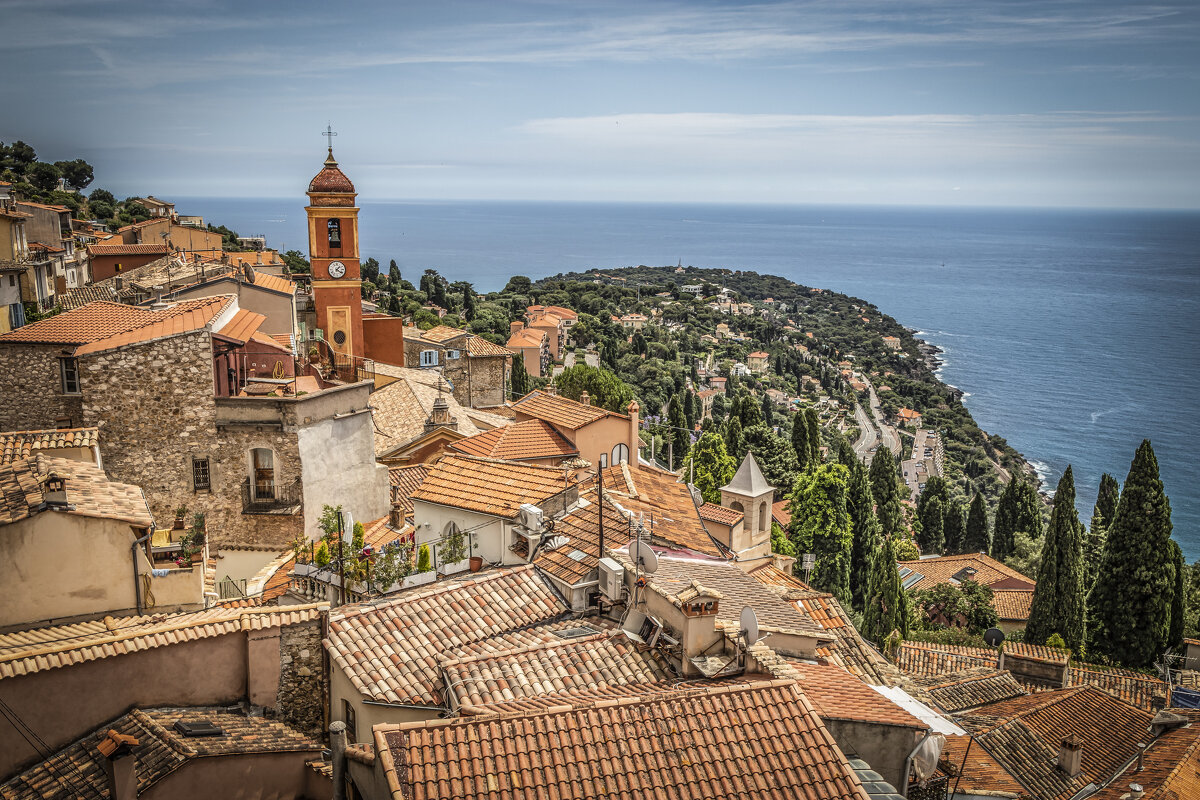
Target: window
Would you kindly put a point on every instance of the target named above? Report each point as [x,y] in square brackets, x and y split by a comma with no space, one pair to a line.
[451,354]
[335,232]
[348,718]
[12,280]
[603,460]
[339,337]
[620,454]
[200,475]
[263,461]
[70,375]
[429,358]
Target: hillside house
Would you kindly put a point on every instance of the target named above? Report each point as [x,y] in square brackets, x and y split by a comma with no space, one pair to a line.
[478,371]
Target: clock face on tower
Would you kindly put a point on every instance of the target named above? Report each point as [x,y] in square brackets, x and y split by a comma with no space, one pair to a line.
[337,269]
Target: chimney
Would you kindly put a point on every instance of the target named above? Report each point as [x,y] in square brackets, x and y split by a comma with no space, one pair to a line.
[1070,755]
[120,766]
[514,326]
[585,398]
[56,491]
[635,441]
[337,745]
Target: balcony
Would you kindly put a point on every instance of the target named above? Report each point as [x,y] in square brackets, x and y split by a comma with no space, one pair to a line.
[271,498]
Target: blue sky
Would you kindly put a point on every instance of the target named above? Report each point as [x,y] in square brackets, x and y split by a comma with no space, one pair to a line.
[944,102]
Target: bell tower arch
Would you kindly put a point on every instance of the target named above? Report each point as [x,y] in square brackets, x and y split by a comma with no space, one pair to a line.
[333,252]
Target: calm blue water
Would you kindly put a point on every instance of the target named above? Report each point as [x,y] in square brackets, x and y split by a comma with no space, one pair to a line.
[1074,333]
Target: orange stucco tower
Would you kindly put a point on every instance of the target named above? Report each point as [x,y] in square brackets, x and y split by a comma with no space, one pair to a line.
[333,251]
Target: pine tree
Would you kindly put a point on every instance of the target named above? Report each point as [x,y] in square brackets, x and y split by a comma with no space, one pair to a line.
[1135,588]
[1058,601]
[800,439]
[886,491]
[710,466]
[954,528]
[821,525]
[865,539]
[931,539]
[1102,516]
[975,539]
[887,607]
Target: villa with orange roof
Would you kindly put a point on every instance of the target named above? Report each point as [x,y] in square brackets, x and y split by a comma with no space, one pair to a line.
[758,361]
[532,345]
[599,436]
[201,409]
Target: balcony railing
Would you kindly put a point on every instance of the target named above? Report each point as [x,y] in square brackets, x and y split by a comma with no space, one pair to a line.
[287,499]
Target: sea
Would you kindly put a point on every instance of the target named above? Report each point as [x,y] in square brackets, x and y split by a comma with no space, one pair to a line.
[1074,334]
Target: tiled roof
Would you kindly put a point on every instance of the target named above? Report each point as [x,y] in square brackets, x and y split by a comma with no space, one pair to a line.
[780,513]
[974,688]
[520,441]
[401,407]
[488,485]
[22,444]
[759,354]
[751,742]
[710,512]
[573,665]
[943,568]
[405,481]
[243,325]
[1170,768]
[526,337]
[579,557]
[390,649]
[850,652]
[1147,692]
[37,649]
[438,333]
[922,658]
[82,295]
[670,511]
[104,325]
[1037,652]
[560,411]
[478,347]
[127,249]
[974,771]
[89,491]
[79,769]
[838,695]
[676,575]
[1023,734]
[331,179]
[1012,604]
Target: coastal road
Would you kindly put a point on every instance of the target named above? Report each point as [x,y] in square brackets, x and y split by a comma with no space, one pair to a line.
[890,439]
[867,437]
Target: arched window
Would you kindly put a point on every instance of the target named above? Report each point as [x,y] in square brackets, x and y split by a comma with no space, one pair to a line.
[736,506]
[764,517]
[620,454]
[335,232]
[263,473]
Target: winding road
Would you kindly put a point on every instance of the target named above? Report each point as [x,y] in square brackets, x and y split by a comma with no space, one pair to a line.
[870,429]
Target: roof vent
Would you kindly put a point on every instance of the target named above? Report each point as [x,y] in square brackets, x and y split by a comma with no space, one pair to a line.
[198,728]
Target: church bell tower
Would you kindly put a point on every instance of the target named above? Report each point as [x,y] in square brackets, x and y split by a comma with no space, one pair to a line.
[333,252]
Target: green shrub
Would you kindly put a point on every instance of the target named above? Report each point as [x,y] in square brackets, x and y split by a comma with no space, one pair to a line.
[423,559]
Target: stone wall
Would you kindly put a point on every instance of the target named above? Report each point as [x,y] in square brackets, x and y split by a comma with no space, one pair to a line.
[31,385]
[300,701]
[488,378]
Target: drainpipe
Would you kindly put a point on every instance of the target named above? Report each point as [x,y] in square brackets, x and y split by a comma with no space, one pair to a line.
[908,763]
[337,747]
[137,585]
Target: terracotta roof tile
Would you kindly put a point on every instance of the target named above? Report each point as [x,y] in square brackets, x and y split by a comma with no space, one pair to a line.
[1147,692]
[922,658]
[578,558]
[390,649]
[942,569]
[243,325]
[1012,604]
[560,411]
[34,650]
[671,514]
[751,742]
[156,746]
[530,440]
[82,295]
[711,512]
[127,249]
[1170,768]
[487,485]
[89,491]
[838,695]
[402,407]
[23,444]
[1037,652]
[406,480]
[190,315]
[526,337]
[974,771]
[973,688]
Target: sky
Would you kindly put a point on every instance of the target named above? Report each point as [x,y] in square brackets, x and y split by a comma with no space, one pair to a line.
[1081,103]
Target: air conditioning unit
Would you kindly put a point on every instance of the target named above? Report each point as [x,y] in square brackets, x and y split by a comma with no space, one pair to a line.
[530,517]
[612,580]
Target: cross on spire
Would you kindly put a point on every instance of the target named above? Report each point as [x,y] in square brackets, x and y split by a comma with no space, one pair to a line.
[329,133]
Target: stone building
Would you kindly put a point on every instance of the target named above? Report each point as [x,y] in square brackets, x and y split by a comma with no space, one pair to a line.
[477,370]
[202,411]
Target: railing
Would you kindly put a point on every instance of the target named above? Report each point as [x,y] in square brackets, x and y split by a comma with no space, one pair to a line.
[230,589]
[332,365]
[286,500]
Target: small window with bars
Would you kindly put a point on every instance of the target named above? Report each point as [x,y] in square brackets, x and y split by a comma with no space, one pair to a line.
[201,476]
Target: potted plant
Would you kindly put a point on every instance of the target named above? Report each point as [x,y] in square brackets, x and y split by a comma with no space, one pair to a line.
[453,551]
[180,514]
[424,573]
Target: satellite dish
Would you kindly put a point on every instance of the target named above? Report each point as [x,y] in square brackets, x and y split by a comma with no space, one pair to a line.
[748,624]
[643,556]
[993,636]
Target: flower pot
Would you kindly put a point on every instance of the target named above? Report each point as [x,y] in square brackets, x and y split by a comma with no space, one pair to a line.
[476,563]
[454,568]
[418,579]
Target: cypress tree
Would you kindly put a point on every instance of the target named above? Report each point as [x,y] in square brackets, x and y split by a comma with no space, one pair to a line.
[931,539]
[886,491]
[975,539]
[954,528]
[800,439]
[1019,509]
[768,411]
[1058,600]
[1135,588]
[887,607]
[679,433]
[1179,601]
[735,441]
[1102,516]
[520,378]
[865,538]
[750,412]
[814,435]
[688,409]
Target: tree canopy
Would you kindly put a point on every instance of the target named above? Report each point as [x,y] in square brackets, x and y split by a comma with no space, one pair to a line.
[821,525]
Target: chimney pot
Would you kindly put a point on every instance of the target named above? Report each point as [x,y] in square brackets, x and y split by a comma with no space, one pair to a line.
[585,398]
[337,745]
